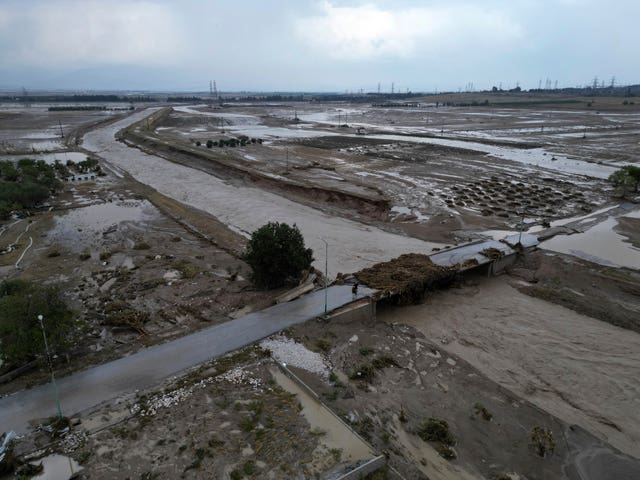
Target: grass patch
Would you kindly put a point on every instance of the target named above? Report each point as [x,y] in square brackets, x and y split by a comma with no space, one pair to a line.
[249,467]
[367,371]
[323,345]
[141,245]
[436,430]
[542,441]
[482,411]
[384,361]
[187,269]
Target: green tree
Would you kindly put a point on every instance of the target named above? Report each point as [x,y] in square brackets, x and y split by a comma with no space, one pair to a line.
[626,179]
[20,333]
[277,255]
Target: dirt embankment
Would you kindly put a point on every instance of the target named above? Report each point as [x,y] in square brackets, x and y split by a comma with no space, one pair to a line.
[630,228]
[223,165]
[608,294]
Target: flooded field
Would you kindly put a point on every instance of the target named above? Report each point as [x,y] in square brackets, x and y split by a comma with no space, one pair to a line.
[246,208]
[428,177]
[151,252]
[35,129]
[600,244]
[80,228]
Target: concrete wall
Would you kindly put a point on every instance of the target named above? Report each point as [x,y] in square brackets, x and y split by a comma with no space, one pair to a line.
[365,469]
[498,266]
[364,310]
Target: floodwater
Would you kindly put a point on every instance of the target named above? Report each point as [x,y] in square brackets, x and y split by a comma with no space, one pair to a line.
[57,467]
[76,225]
[352,245]
[250,125]
[599,244]
[580,369]
[336,435]
[533,156]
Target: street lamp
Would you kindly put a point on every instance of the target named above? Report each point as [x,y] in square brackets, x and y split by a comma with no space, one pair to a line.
[53,378]
[326,273]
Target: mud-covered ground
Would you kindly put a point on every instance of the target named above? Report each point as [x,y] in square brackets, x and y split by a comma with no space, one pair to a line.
[438,186]
[493,362]
[132,275]
[574,366]
[227,419]
[606,293]
[35,129]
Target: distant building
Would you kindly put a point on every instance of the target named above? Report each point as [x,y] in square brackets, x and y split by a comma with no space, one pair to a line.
[80,177]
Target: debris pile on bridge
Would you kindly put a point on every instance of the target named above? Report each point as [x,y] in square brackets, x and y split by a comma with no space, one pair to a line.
[492,253]
[407,278]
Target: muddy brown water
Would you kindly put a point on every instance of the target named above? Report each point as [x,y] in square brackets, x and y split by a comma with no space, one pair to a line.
[577,368]
[57,467]
[599,244]
[336,435]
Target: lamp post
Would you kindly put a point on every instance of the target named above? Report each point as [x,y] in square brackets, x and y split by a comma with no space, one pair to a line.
[53,378]
[326,273]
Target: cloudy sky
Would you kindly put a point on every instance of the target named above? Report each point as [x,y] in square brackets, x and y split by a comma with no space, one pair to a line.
[308,45]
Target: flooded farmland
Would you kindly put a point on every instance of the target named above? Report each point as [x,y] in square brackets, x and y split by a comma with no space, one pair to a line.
[150,252]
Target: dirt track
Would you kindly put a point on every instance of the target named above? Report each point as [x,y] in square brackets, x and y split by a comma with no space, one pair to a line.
[580,369]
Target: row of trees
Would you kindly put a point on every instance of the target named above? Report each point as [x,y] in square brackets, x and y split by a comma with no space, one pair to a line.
[231,142]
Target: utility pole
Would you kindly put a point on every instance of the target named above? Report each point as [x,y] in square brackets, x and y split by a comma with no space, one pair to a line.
[378,88]
[61,131]
[53,378]
[326,273]
[392,87]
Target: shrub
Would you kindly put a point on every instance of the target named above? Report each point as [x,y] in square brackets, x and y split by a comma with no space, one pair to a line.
[482,411]
[209,143]
[141,245]
[542,440]
[436,430]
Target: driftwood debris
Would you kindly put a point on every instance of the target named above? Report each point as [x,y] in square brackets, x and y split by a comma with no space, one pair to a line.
[406,278]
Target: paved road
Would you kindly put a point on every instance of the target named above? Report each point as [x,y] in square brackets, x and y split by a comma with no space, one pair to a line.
[149,367]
